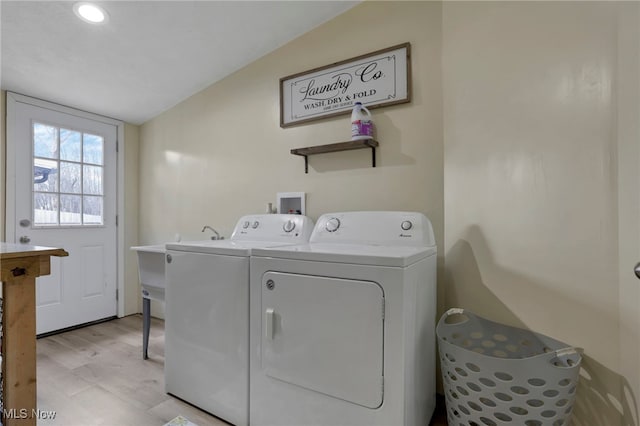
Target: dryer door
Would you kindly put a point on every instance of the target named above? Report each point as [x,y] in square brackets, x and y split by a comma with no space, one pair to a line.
[324,334]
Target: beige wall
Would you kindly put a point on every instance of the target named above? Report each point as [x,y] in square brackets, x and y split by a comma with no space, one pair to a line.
[531,193]
[132,299]
[221,153]
[628,133]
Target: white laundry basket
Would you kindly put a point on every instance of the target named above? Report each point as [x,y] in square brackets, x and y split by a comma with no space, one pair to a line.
[499,375]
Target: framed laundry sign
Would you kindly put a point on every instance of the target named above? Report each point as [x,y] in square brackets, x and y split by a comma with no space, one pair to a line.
[376,79]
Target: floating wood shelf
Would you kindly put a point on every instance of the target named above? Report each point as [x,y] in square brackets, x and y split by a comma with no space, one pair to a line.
[334,147]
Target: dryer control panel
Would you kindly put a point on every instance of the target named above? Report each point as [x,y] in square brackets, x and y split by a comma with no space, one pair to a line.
[374,228]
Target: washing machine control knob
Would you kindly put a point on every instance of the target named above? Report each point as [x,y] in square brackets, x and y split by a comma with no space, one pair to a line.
[406,225]
[245,225]
[289,226]
[255,224]
[332,224]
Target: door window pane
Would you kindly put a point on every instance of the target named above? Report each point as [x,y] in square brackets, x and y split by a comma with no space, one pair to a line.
[92,180]
[68,174]
[92,210]
[45,141]
[70,209]
[45,175]
[45,209]
[70,145]
[70,177]
[92,147]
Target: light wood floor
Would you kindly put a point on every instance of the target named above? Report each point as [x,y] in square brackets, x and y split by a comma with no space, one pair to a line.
[96,376]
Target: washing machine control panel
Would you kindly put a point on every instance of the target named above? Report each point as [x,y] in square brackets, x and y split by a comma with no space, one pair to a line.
[290,228]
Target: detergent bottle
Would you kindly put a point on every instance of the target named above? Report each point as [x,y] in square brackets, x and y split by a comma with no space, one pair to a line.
[361,123]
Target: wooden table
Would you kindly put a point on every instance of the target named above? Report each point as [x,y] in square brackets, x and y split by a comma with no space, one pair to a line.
[20,265]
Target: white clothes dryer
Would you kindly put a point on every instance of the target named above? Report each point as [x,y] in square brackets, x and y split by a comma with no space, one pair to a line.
[207,313]
[342,330]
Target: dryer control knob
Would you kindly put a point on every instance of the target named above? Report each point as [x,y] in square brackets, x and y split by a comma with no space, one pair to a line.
[406,225]
[332,224]
[245,225]
[289,226]
[255,224]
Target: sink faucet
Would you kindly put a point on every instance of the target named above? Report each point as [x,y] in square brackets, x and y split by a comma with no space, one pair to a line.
[213,237]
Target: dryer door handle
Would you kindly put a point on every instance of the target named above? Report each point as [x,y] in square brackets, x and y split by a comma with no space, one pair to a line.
[269,315]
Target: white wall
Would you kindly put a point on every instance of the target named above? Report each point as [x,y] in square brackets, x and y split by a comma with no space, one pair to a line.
[531,191]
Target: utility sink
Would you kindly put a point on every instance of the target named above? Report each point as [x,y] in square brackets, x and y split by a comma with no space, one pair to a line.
[151,270]
[152,280]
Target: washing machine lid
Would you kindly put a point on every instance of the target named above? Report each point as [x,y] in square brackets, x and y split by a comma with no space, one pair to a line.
[398,256]
[224,247]
[261,230]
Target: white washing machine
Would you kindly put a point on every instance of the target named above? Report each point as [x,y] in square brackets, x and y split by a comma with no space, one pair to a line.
[342,330]
[207,313]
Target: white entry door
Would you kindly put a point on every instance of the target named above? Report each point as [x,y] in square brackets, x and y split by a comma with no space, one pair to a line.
[61,186]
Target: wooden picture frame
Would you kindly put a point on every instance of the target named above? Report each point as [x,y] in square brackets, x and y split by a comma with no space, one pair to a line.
[376,79]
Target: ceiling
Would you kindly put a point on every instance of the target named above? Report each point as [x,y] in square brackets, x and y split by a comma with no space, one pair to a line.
[149,56]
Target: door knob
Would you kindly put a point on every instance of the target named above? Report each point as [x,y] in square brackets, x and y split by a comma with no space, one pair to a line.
[25,240]
[637,270]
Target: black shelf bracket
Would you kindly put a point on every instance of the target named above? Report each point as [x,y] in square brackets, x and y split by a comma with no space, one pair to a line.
[335,147]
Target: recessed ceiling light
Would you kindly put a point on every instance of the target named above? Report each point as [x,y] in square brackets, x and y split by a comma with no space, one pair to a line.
[90,12]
